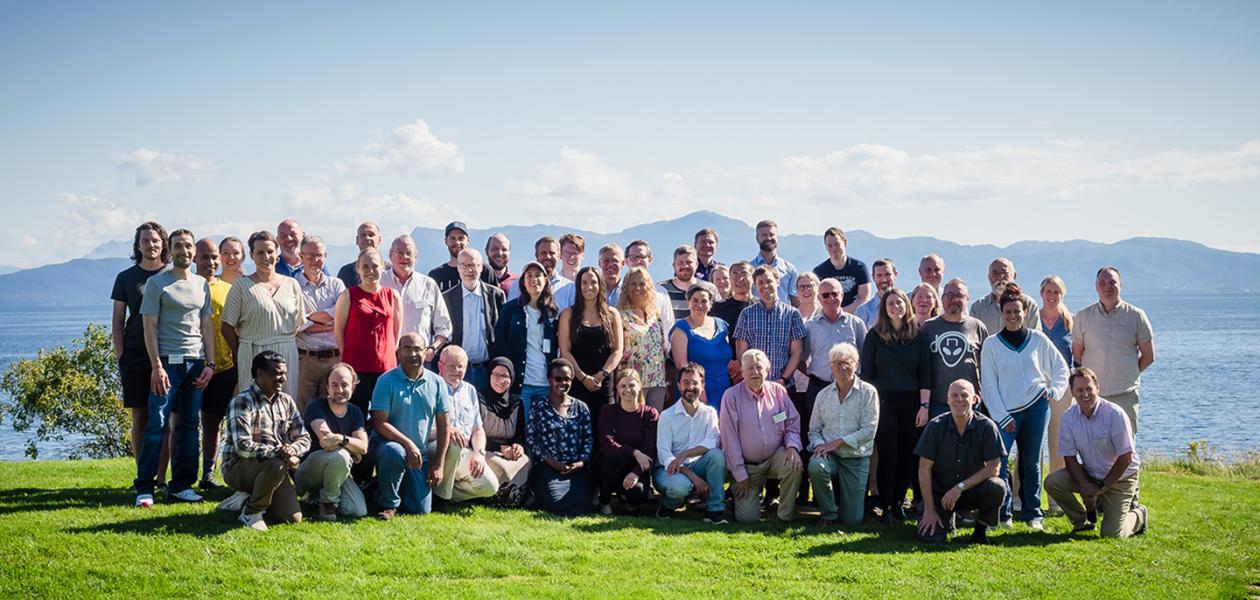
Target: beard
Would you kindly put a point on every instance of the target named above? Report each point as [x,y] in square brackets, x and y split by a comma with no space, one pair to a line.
[768,245]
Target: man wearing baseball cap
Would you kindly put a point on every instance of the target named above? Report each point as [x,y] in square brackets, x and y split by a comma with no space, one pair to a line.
[447,274]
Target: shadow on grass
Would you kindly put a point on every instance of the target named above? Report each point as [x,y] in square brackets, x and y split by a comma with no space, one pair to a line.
[198,525]
[20,500]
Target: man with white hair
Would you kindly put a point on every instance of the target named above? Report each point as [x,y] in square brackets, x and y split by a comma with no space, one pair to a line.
[466,476]
[842,438]
[424,311]
[368,235]
[760,433]
[316,342]
[474,306]
[989,310]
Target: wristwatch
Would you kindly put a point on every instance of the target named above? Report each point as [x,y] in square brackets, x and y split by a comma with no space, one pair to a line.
[962,486]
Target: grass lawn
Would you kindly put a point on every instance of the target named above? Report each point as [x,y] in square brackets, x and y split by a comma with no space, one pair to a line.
[69,530]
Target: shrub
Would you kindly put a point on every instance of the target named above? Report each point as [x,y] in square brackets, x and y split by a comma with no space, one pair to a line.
[72,392]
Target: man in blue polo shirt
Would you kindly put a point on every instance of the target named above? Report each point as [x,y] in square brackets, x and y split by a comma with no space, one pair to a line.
[407,402]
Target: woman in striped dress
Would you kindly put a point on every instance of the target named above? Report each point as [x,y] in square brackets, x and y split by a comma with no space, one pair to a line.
[263,312]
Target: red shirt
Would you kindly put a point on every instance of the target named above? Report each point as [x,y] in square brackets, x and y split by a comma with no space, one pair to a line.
[369,335]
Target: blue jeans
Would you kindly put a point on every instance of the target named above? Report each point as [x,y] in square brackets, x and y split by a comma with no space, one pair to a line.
[184,456]
[711,467]
[399,485]
[1029,435]
[529,393]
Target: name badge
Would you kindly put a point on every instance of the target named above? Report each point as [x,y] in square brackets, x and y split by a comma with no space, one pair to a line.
[175,360]
[546,346]
[781,417]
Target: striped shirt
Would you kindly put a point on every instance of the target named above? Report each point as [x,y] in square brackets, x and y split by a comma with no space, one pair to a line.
[771,330]
[258,427]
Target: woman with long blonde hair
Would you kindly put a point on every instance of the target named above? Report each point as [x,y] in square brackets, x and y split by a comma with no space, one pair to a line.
[644,343]
[1056,323]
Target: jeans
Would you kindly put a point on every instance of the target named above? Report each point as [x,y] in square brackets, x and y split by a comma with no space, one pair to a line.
[711,467]
[529,393]
[845,478]
[183,396]
[1029,435]
[400,486]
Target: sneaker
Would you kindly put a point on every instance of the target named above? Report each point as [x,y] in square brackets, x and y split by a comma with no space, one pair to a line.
[253,521]
[209,484]
[327,511]
[605,509]
[825,523]
[387,514]
[980,535]
[1141,528]
[1006,524]
[184,495]
[715,517]
[662,512]
[144,501]
[887,518]
[1037,524]
[1083,527]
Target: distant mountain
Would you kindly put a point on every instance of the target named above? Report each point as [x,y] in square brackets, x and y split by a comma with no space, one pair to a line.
[9,269]
[1149,265]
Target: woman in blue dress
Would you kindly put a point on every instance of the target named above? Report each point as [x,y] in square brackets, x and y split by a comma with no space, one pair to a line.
[702,339]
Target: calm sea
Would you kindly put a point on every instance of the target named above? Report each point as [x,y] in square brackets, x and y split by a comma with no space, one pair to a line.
[1203,386]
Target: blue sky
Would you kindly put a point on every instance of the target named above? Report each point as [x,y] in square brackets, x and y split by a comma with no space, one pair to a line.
[977,123]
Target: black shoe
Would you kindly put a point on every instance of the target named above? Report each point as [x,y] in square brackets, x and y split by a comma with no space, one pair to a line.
[898,512]
[662,512]
[887,518]
[209,484]
[980,535]
[1091,515]
[715,517]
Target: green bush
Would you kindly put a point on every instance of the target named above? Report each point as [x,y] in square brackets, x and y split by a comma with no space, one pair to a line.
[70,392]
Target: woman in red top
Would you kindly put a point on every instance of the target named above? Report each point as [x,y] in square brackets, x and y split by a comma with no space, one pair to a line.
[367,324]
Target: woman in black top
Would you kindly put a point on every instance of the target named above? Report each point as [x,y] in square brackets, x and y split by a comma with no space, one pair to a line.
[590,339]
[896,361]
[503,420]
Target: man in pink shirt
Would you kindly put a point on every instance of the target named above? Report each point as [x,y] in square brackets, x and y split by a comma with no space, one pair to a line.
[761,438]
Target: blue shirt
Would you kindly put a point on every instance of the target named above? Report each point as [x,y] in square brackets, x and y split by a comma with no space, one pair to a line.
[869,311]
[787,275]
[474,326]
[563,292]
[1062,339]
[411,403]
[772,331]
[566,439]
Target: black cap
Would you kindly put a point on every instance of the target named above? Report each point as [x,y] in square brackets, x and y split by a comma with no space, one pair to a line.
[456,225]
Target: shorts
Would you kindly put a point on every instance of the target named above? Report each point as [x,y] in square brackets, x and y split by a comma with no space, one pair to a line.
[219,392]
[135,386]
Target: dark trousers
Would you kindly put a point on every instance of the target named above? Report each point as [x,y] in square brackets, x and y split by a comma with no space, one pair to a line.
[362,398]
[985,498]
[611,471]
[895,440]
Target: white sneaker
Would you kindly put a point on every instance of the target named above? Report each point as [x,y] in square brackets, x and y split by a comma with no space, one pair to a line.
[1007,524]
[185,495]
[253,521]
[144,501]
[1037,525]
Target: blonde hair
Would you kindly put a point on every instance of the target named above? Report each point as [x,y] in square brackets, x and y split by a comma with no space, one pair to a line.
[623,373]
[936,299]
[1063,309]
[649,301]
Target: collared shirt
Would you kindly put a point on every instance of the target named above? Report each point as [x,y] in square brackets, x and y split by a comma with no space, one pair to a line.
[853,419]
[1111,344]
[463,409]
[678,432]
[412,404]
[771,330]
[956,457]
[754,425]
[869,311]
[563,292]
[787,275]
[821,334]
[567,438]
[318,297]
[474,326]
[284,268]
[704,271]
[258,427]
[1098,440]
[989,312]
[424,310]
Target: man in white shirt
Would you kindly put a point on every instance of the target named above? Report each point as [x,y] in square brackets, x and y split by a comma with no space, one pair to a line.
[424,311]
[687,450]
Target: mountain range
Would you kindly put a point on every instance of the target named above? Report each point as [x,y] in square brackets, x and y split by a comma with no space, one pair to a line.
[1148,265]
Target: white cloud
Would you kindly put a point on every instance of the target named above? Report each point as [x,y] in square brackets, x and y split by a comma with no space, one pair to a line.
[410,146]
[152,167]
[89,220]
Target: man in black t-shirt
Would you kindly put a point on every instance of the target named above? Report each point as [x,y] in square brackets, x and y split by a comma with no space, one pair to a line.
[447,274]
[849,271]
[338,441]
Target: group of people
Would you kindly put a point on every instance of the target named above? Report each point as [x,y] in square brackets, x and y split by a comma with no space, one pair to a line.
[565,387]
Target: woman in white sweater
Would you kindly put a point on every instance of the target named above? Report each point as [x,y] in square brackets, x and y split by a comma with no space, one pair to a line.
[1020,371]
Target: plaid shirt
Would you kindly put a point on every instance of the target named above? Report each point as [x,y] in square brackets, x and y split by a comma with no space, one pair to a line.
[257,427]
[772,331]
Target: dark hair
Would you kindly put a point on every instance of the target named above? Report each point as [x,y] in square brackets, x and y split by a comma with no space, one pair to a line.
[1107,268]
[884,262]
[704,232]
[231,238]
[693,368]
[267,359]
[837,233]
[1085,372]
[883,324]
[263,235]
[558,363]
[643,243]
[601,303]
[179,232]
[354,376]
[1011,293]
[154,226]
[546,304]
[766,223]
[572,238]
[546,239]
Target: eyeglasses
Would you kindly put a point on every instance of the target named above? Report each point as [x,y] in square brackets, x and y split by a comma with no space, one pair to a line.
[827,295]
[500,376]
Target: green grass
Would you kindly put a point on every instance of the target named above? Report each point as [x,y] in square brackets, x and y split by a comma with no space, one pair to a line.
[68,530]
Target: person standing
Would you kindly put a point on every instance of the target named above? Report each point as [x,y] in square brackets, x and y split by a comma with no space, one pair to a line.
[849,271]
[232,252]
[572,251]
[884,273]
[706,244]
[987,309]
[590,335]
[424,312]
[1056,323]
[646,343]
[222,386]
[773,327]
[498,254]
[367,326]
[289,236]
[704,340]
[932,270]
[316,338]
[150,255]
[178,336]
[527,334]
[447,275]
[367,235]
[955,341]
[547,253]
[684,278]
[767,255]
[264,312]
[474,306]
[1114,338]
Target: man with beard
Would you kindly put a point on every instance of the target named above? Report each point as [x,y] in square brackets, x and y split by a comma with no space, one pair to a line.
[849,271]
[338,429]
[684,277]
[498,253]
[687,451]
[884,272]
[989,310]
[547,253]
[446,275]
[955,341]
[785,272]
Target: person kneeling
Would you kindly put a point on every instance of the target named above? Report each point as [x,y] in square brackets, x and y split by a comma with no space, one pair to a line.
[466,476]
[687,447]
[1098,431]
[958,461]
[560,444]
[265,437]
[338,427]
[842,435]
